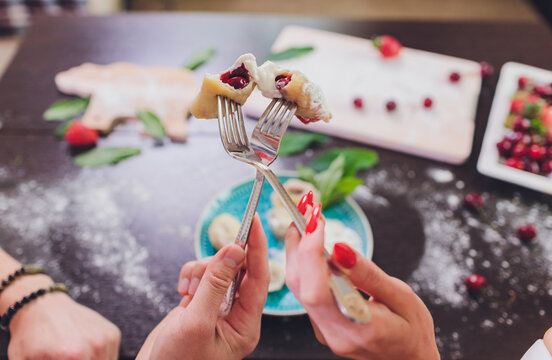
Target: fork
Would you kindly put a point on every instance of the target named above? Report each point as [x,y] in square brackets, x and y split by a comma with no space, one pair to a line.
[236,143]
[265,142]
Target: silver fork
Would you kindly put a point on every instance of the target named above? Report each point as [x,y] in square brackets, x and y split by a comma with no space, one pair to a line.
[265,142]
[236,143]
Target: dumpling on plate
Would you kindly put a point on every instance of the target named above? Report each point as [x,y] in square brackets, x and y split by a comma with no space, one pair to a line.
[279,221]
[335,231]
[236,83]
[223,230]
[296,189]
[277,276]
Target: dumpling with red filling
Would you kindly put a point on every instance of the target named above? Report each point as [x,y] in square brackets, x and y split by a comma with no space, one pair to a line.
[236,83]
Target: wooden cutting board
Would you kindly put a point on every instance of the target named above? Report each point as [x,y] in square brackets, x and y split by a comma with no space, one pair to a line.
[347,67]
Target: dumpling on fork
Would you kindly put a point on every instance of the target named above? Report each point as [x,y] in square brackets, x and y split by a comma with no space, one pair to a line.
[294,86]
[236,83]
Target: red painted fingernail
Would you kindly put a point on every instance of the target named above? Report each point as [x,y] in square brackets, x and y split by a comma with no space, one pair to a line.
[344,255]
[302,206]
[310,197]
[313,221]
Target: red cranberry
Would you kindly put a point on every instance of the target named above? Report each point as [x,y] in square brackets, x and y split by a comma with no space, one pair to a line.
[516,106]
[358,103]
[473,201]
[546,167]
[515,137]
[454,77]
[428,102]
[486,69]
[387,45]
[237,78]
[515,163]
[519,150]
[282,80]
[543,90]
[475,283]
[537,152]
[391,105]
[549,152]
[304,120]
[527,232]
[504,147]
[522,124]
[533,167]
[522,82]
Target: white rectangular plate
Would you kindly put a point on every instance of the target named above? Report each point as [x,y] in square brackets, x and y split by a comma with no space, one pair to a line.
[488,163]
[347,67]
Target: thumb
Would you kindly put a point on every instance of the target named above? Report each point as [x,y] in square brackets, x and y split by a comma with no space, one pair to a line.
[215,281]
[371,279]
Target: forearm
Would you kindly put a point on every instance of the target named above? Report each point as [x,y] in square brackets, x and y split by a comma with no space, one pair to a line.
[21,286]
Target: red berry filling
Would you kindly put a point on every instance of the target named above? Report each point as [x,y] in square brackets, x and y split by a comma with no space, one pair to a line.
[282,80]
[237,78]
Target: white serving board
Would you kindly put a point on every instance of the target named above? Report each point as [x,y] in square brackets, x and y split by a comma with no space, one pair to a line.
[346,67]
[488,162]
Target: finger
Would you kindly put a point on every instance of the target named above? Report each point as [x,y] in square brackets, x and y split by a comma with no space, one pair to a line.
[254,288]
[216,279]
[185,301]
[368,277]
[246,312]
[186,274]
[196,275]
[292,239]
[319,336]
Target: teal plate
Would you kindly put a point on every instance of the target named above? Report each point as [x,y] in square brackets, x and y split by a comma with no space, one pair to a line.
[234,201]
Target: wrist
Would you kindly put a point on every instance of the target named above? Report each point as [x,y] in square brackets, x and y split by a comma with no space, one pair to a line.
[21,287]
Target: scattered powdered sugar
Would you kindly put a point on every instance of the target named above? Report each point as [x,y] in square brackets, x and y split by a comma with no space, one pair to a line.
[440,175]
[449,255]
[80,217]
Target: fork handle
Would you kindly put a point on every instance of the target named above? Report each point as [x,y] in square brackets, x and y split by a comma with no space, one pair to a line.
[349,300]
[241,240]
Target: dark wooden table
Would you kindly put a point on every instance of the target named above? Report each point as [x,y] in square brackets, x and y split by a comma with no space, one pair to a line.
[111,217]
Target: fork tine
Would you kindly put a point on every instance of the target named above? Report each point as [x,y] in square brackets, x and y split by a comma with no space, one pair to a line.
[222,127]
[229,129]
[243,132]
[285,123]
[278,120]
[232,116]
[264,116]
[272,117]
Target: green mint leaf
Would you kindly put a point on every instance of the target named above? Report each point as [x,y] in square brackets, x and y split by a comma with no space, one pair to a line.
[343,188]
[306,174]
[152,124]
[531,110]
[289,53]
[66,109]
[199,58]
[327,180]
[62,129]
[355,159]
[104,156]
[298,141]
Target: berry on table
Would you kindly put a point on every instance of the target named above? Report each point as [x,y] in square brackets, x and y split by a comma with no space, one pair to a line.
[475,283]
[486,69]
[473,201]
[357,102]
[387,45]
[428,102]
[515,163]
[522,124]
[454,77]
[391,105]
[79,135]
[527,232]
[519,150]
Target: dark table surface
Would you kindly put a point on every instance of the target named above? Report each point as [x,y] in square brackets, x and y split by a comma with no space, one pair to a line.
[118,235]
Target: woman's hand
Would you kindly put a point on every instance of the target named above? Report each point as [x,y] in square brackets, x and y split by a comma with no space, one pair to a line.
[54,326]
[193,330]
[401,326]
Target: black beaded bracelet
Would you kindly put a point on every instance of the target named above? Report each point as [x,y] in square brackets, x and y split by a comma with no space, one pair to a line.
[24,270]
[8,315]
